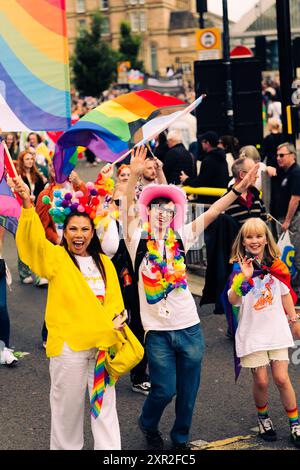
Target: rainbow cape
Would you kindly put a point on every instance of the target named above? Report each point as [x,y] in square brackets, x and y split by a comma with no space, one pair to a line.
[34,66]
[117,125]
[278,270]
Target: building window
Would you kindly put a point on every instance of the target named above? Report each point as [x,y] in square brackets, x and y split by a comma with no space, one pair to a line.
[186,67]
[105,26]
[183,5]
[134,20]
[81,26]
[138,21]
[142,21]
[80,6]
[104,4]
[153,52]
[184,42]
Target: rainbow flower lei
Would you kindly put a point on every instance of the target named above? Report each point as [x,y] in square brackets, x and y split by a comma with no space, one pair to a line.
[168,281]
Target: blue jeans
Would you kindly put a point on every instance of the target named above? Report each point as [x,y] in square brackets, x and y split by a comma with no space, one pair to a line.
[4,318]
[174,359]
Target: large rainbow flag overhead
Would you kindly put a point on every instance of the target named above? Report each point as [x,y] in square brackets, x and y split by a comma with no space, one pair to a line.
[117,125]
[34,66]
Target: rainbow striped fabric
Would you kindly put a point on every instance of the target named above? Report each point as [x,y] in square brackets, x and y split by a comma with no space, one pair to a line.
[34,66]
[101,380]
[155,290]
[99,385]
[114,127]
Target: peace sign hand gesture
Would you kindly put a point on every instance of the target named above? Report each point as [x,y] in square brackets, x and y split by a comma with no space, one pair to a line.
[246,267]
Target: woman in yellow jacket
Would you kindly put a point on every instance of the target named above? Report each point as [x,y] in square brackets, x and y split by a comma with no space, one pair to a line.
[84,298]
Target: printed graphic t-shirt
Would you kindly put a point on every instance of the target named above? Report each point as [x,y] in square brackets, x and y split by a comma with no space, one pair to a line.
[179,302]
[263,325]
[91,274]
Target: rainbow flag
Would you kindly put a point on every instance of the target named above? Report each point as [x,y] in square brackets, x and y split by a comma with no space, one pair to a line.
[10,208]
[117,125]
[34,66]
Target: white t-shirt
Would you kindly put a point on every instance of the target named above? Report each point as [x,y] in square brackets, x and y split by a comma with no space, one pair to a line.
[91,274]
[263,325]
[178,310]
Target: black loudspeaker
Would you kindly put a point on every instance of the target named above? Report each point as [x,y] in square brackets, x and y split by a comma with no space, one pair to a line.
[201,6]
[296,52]
[210,78]
[261,51]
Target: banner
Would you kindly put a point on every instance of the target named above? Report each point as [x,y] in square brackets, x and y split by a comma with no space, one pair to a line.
[34,66]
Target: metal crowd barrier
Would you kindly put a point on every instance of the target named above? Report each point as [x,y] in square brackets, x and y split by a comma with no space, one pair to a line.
[196,256]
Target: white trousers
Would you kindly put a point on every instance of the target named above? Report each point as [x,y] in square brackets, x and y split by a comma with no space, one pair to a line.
[70,374]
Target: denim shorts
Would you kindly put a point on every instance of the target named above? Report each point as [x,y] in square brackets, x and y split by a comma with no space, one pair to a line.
[264,358]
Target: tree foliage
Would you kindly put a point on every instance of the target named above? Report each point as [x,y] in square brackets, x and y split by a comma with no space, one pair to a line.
[94,62]
[130,46]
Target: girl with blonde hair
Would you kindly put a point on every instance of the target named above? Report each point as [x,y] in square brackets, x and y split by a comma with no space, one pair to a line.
[260,287]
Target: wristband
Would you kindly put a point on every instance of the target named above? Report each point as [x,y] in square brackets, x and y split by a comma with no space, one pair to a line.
[235,191]
[240,286]
[295,319]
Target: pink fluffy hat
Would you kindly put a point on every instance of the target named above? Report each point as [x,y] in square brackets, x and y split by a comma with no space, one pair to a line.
[170,191]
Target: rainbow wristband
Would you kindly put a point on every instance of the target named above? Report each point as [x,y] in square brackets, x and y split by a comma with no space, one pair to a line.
[240,286]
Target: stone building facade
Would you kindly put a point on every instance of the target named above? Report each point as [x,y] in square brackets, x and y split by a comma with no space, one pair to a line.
[167,28]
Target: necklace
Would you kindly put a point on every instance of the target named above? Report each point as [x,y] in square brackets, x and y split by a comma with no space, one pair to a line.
[176,279]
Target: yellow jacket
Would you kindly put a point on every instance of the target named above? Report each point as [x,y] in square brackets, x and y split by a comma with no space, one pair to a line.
[73,313]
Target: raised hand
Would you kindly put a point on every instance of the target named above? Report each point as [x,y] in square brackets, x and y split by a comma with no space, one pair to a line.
[246,267]
[248,180]
[107,170]
[18,185]
[74,178]
[138,160]
[158,164]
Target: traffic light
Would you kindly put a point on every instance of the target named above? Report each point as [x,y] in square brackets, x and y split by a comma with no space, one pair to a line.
[201,6]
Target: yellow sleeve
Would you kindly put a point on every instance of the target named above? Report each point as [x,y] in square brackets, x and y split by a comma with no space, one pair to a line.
[113,295]
[34,249]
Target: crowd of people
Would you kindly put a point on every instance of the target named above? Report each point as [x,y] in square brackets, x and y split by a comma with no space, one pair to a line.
[115,251]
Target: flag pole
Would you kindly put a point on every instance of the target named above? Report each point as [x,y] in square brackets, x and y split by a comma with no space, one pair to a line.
[8,154]
[121,158]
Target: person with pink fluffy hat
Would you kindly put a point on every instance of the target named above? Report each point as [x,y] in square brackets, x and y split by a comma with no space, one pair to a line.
[158,239]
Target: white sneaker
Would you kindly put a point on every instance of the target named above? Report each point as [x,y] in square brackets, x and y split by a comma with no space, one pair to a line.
[7,358]
[143,388]
[27,280]
[42,282]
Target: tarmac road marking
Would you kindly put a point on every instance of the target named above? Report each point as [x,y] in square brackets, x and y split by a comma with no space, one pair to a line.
[222,443]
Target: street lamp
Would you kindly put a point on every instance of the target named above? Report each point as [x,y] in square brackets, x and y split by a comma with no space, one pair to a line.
[227,64]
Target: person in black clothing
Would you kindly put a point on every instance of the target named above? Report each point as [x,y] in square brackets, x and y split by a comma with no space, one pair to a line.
[161,146]
[177,159]
[214,168]
[289,207]
[271,142]
[268,152]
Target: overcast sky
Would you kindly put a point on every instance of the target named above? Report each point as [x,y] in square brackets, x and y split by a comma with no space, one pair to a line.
[236,8]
